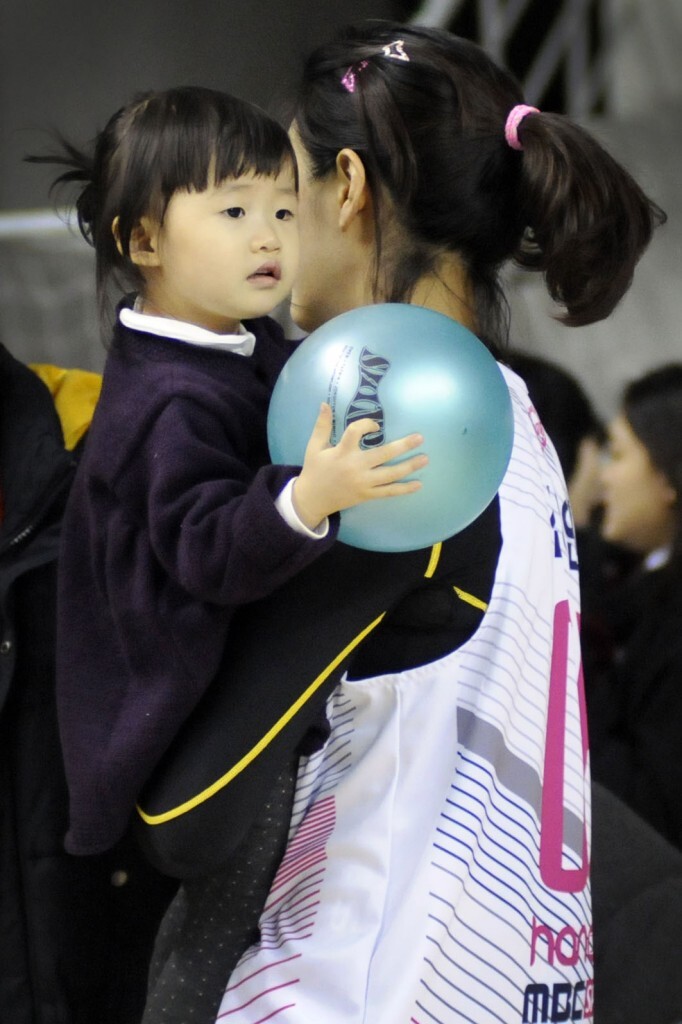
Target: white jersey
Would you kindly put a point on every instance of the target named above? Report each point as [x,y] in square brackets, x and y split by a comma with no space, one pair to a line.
[438,861]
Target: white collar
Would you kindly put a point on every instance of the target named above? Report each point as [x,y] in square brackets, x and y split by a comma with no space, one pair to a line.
[242,343]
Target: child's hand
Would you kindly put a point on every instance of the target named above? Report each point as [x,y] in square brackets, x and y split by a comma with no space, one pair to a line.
[334,478]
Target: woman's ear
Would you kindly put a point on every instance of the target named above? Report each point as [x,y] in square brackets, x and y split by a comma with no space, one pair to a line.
[143,242]
[353,189]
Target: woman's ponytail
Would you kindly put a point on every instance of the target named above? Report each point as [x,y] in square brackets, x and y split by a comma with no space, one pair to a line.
[588,220]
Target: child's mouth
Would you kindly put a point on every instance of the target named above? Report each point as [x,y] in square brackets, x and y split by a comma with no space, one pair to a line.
[267,274]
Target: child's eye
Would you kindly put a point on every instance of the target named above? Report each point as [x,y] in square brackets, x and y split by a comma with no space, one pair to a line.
[284,214]
[234,211]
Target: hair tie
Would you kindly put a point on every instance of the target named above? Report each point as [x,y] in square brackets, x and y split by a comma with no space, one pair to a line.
[514,119]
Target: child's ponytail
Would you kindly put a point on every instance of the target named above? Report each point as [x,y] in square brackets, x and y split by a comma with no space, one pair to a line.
[80,172]
[89,173]
[589,221]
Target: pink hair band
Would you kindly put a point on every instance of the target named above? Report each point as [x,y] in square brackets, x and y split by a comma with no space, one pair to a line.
[514,119]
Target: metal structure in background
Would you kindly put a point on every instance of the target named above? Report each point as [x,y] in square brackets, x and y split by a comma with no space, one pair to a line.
[569,58]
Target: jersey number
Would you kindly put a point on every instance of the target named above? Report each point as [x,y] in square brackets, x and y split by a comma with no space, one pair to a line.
[552,871]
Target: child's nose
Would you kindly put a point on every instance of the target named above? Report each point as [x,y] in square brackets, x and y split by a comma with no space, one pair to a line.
[266,239]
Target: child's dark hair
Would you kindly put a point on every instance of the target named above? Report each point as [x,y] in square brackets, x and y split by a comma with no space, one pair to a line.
[431,132]
[160,143]
[652,405]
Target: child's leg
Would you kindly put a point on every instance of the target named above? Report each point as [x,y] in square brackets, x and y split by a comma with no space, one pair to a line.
[213,920]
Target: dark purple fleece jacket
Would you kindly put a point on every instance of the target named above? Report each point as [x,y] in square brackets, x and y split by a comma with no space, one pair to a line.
[171,524]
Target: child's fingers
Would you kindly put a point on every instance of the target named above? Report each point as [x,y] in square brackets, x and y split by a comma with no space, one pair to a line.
[353,435]
[384,476]
[394,490]
[394,449]
[321,435]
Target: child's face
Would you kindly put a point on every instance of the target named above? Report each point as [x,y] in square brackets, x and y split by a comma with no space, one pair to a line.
[226,254]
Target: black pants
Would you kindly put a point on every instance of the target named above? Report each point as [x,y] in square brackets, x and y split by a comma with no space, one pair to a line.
[213,920]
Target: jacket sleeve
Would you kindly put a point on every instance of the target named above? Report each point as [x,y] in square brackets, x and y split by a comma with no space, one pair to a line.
[212,523]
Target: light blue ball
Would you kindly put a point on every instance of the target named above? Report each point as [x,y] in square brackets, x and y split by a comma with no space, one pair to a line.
[414,371]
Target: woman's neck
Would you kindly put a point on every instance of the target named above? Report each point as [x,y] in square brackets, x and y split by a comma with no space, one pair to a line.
[436,295]
[447,289]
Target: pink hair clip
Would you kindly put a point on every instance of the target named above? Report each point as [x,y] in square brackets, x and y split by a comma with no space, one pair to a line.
[394,50]
[348,80]
[514,119]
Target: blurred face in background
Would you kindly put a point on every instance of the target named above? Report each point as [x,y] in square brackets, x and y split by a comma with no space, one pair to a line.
[639,500]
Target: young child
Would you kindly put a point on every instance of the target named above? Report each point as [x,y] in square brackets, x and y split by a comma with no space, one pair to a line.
[176,516]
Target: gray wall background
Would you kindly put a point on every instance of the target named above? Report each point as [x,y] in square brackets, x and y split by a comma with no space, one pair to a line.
[71,63]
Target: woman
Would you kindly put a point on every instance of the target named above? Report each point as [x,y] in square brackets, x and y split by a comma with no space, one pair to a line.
[636,706]
[437,866]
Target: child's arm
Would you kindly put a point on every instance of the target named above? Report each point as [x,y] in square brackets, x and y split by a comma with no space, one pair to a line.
[214,526]
[340,476]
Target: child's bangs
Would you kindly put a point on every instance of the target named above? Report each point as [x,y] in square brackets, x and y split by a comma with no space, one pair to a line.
[215,137]
[255,146]
[189,138]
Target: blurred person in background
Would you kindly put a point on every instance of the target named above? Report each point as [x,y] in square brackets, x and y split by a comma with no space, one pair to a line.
[635,701]
[75,933]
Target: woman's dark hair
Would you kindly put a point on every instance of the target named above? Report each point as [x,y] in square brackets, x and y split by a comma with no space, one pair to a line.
[156,145]
[652,405]
[430,131]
